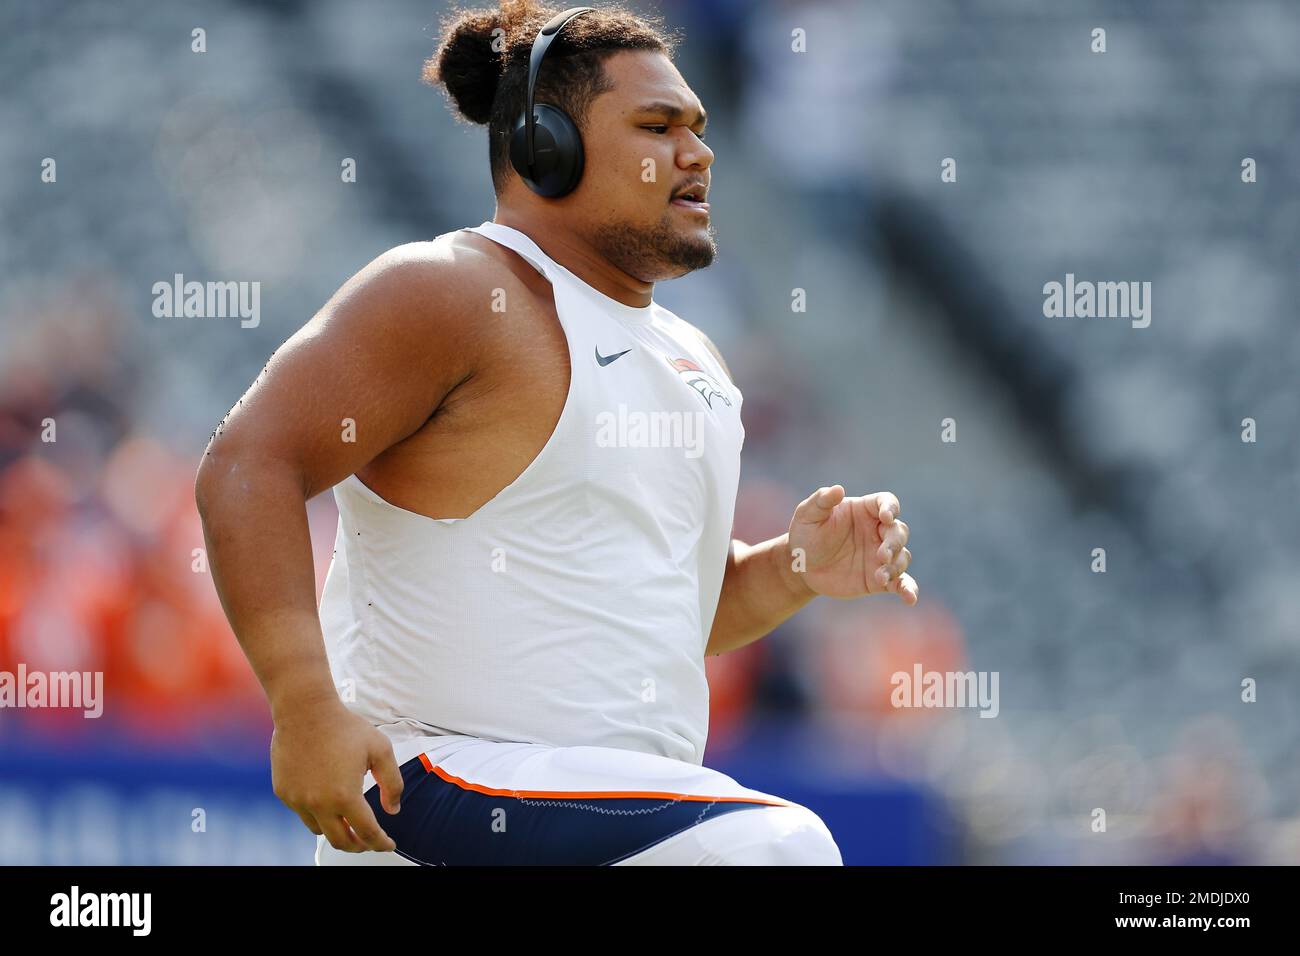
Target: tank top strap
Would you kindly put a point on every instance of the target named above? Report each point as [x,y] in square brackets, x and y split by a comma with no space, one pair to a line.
[596,306]
[522,244]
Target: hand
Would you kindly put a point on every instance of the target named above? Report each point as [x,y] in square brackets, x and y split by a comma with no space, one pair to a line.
[319,755]
[853,546]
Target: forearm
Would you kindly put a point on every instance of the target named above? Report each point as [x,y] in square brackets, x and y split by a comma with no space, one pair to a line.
[759,590]
[259,553]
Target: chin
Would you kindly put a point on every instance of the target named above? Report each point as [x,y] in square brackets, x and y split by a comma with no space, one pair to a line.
[691,248]
[663,250]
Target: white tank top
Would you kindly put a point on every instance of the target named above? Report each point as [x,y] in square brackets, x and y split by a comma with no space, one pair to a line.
[574,607]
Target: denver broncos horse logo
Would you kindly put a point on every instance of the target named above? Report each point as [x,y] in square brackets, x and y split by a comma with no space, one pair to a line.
[698,379]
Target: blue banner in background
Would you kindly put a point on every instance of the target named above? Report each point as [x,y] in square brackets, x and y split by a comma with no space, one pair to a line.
[876,820]
[116,807]
[98,806]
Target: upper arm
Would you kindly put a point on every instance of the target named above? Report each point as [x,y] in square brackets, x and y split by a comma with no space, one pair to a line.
[366,371]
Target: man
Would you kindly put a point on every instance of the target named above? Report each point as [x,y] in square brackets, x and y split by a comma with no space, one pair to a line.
[536,468]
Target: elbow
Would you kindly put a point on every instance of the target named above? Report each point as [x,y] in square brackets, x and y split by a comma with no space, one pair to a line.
[215,470]
[235,476]
[204,486]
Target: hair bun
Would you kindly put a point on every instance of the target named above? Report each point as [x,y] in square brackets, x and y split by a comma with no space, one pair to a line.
[467,66]
[473,55]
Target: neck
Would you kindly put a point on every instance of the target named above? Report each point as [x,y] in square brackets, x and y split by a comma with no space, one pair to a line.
[578,256]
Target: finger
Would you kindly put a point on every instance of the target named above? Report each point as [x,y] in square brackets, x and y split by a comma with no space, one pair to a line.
[340,834]
[905,586]
[883,506]
[891,572]
[309,821]
[387,775]
[818,506]
[366,827]
[893,541]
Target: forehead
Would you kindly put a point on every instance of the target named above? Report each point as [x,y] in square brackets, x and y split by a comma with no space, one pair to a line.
[645,76]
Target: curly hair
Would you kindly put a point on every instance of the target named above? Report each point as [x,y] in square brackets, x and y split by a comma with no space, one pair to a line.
[482,64]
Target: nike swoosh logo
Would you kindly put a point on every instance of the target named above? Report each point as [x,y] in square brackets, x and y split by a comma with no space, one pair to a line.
[603,360]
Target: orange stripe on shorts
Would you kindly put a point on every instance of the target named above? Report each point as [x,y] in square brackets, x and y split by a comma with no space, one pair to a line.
[589,795]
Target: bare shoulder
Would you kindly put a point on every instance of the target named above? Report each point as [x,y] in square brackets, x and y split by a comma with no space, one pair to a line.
[429,295]
[439,277]
[386,350]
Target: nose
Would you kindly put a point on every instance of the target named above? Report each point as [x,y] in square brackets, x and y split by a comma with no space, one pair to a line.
[693,154]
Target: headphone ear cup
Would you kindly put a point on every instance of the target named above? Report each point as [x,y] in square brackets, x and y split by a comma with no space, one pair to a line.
[557,152]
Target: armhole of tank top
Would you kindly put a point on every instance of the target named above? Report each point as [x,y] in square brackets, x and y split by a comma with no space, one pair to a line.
[354,482]
[369,494]
[566,411]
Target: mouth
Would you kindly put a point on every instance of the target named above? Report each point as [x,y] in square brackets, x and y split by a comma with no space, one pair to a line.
[692,198]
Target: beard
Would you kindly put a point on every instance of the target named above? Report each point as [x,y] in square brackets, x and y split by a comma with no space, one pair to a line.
[658,252]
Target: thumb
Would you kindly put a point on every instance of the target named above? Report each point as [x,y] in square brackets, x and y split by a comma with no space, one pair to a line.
[387,775]
[818,506]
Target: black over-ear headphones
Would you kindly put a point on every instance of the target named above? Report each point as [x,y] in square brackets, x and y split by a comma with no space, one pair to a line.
[545,147]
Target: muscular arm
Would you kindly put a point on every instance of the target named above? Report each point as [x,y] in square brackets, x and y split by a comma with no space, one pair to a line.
[383,353]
